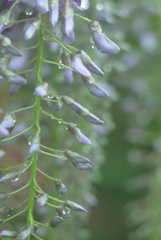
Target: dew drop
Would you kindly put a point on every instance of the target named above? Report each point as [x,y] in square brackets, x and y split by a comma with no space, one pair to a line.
[29,12]
[52,118]
[14,180]
[29,143]
[60,122]
[93,45]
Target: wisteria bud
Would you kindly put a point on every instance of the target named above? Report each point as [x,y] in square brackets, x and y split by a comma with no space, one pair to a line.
[12,176]
[12,77]
[5,18]
[75,157]
[84,166]
[93,88]
[103,43]
[68,18]
[81,4]
[3,130]
[56,221]
[42,6]
[6,210]
[71,103]
[7,44]
[8,234]
[3,196]
[14,88]
[63,212]
[60,187]
[41,90]
[9,120]
[75,131]
[26,231]
[68,74]
[34,143]
[2,153]
[42,199]
[32,29]
[74,206]
[78,65]
[53,12]
[90,117]
[58,106]
[89,64]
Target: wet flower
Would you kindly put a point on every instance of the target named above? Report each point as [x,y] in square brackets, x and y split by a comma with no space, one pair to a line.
[103,43]
[3,130]
[78,65]
[9,120]
[5,18]
[12,176]
[6,210]
[71,103]
[63,212]
[3,196]
[41,90]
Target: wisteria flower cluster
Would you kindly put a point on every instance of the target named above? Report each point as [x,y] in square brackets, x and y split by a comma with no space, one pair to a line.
[40,13]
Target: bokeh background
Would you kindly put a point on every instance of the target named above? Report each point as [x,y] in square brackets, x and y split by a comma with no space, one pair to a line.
[122,191]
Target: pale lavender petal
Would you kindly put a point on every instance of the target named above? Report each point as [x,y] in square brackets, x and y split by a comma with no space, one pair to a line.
[80,68]
[104,44]
[93,119]
[34,147]
[58,106]
[42,6]
[8,122]
[3,130]
[85,166]
[83,139]
[16,79]
[12,50]
[68,74]
[54,14]
[14,89]
[81,5]
[92,67]
[40,91]
[68,24]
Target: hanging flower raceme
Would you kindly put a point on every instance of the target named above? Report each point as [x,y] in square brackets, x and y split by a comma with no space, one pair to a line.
[41,90]
[32,29]
[68,18]
[68,74]
[42,6]
[6,43]
[53,12]
[93,88]
[103,43]
[80,4]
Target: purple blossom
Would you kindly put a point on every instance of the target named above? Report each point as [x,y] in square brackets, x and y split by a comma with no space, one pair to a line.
[17,79]
[32,29]
[42,199]
[14,89]
[34,142]
[84,166]
[3,130]
[42,6]
[80,4]
[68,18]
[41,90]
[79,66]
[53,12]
[75,131]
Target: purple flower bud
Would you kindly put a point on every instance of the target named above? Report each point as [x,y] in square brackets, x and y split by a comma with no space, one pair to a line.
[32,29]
[85,166]
[42,6]
[74,206]
[71,103]
[89,64]
[56,221]
[41,90]
[3,130]
[2,153]
[81,4]
[6,210]
[58,106]
[93,88]
[34,143]
[26,231]
[53,12]
[9,120]
[4,196]
[68,18]
[89,116]
[75,157]
[17,79]
[12,176]
[63,212]
[42,199]
[68,74]
[60,187]
[14,88]
[78,65]
[8,234]
[103,43]
[75,131]
[5,18]
[7,44]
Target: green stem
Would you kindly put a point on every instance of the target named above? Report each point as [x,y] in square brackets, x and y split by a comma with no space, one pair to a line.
[41,224]
[20,204]
[29,70]
[18,134]
[36,121]
[59,64]
[52,155]
[25,49]
[17,214]
[8,169]
[86,19]
[55,101]
[20,189]
[51,205]
[23,20]
[53,117]
[14,4]
[22,109]
[51,149]
[31,61]
[22,119]
[46,175]
[36,236]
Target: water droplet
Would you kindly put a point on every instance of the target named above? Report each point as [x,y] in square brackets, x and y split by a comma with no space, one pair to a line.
[60,122]
[14,180]
[93,45]
[66,128]
[52,118]
[29,12]
[29,143]
[8,215]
